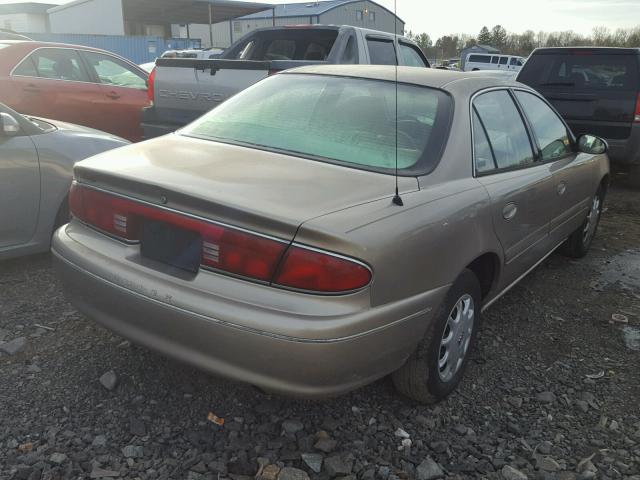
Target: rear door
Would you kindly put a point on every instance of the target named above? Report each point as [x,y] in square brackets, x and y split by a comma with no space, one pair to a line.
[123,94]
[572,173]
[520,187]
[54,83]
[19,189]
[594,92]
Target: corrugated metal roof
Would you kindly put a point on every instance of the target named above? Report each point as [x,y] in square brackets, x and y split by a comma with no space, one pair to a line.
[304,9]
[25,7]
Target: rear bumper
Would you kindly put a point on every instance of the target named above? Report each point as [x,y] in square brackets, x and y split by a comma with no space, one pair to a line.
[281,341]
[627,151]
[153,127]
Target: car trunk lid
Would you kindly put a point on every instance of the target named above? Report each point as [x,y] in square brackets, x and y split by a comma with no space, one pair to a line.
[264,192]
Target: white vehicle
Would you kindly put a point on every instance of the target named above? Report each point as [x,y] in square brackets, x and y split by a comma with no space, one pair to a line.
[485,61]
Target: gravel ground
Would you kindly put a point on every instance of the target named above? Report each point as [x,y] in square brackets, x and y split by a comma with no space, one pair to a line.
[552,392]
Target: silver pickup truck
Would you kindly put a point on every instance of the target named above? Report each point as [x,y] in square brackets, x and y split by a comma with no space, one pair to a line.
[183,89]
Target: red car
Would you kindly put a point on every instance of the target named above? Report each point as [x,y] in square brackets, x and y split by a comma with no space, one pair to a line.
[76,84]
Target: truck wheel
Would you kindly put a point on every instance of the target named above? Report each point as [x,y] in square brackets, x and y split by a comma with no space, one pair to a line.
[578,243]
[435,369]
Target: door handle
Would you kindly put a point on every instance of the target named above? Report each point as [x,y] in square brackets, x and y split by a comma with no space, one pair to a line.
[509,211]
[562,188]
[113,95]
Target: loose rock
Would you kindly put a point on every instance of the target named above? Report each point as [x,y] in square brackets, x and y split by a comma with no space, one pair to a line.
[109,380]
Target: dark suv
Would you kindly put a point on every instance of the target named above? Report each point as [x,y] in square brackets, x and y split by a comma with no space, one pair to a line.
[596,90]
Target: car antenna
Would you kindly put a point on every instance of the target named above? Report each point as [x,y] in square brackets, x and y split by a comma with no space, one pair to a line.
[396,198]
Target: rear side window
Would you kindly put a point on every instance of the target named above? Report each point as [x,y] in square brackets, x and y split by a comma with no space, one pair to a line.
[349,121]
[54,64]
[479,58]
[483,156]
[382,52]
[504,60]
[409,56]
[495,59]
[550,132]
[582,71]
[507,133]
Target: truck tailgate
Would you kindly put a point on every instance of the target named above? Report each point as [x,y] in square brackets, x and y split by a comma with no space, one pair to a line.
[184,89]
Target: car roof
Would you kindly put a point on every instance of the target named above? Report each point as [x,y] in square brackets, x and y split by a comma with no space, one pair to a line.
[426,77]
[593,50]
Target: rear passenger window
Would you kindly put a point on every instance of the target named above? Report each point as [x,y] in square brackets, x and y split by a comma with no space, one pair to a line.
[27,68]
[495,59]
[56,64]
[382,52]
[505,129]
[549,130]
[483,156]
[503,60]
[409,56]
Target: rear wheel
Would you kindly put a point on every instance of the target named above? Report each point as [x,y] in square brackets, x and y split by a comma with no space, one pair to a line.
[435,369]
[578,244]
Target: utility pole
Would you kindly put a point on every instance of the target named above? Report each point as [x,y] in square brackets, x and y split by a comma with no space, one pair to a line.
[210,25]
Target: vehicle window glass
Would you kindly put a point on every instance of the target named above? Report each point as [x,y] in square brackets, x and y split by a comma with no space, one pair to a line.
[349,121]
[246,52]
[281,50]
[27,68]
[551,133]
[480,58]
[59,64]
[350,55]
[112,71]
[495,59]
[584,72]
[409,56]
[382,52]
[507,134]
[519,62]
[504,60]
[513,61]
[483,156]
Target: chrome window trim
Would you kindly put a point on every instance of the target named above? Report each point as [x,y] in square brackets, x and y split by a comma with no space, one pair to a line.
[13,74]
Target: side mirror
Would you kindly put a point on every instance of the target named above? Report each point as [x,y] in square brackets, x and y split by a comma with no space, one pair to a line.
[592,144]
[9,126]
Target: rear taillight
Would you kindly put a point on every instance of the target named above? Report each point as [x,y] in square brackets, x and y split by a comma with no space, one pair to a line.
[316,271]
[224,248]
[151,86]
[636,118]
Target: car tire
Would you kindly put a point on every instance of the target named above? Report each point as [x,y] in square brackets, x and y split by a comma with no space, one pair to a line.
[579,242]
[424,378]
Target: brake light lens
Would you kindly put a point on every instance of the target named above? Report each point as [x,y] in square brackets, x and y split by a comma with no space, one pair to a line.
[224,248]
[636,118]
[316,271]
[151,86]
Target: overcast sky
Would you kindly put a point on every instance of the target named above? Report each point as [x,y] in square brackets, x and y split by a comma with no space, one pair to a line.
[441,17]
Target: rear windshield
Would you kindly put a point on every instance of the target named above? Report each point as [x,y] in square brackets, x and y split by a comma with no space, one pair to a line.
[582,71]
[310,44]
[348,121]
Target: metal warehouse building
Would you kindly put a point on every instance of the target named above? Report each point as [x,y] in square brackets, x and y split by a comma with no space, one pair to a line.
[358,13]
